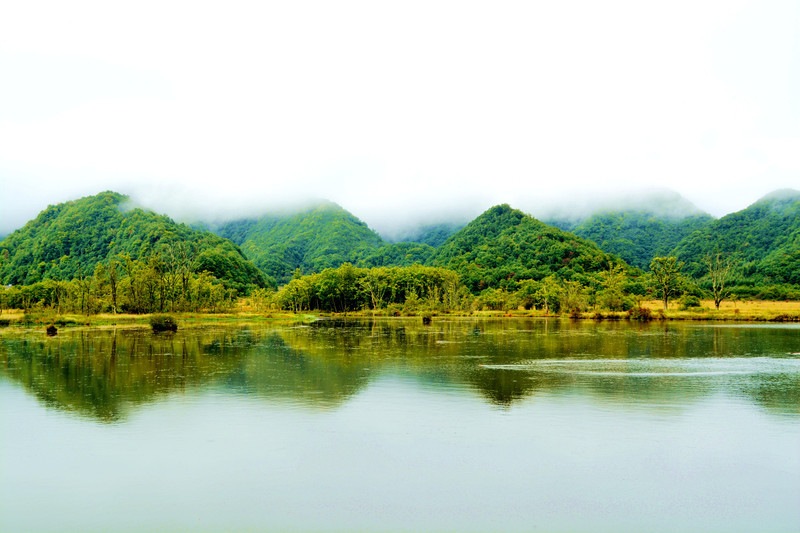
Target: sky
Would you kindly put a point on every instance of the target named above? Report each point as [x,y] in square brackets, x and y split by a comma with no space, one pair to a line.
[398,111]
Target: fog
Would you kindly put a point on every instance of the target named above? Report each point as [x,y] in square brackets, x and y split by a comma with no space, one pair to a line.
[406,114]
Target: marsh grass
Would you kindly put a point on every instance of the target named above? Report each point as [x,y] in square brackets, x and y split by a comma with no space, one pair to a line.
[752,311]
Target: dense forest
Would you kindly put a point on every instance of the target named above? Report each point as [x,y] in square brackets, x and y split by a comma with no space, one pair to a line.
[99,254]
[319,237]
[68,241]
[503,247]
[637,229]
[763,240]
[431,234]
[637,237]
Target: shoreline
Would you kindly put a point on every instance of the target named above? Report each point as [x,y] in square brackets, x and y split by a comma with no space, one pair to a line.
[771,312]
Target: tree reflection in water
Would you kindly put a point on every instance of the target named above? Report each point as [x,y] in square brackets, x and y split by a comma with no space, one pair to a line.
[103,373]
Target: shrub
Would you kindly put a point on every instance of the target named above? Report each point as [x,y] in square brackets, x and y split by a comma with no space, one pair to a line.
[688,301]
[642,314]
[163,323]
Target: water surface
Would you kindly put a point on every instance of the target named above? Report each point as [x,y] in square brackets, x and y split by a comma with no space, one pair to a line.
[464,425]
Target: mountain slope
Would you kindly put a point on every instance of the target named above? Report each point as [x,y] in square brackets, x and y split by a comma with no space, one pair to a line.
[638,227]
[323,236]
[765,237]
[504,245]
[638,236]
[68,240]
[433,235]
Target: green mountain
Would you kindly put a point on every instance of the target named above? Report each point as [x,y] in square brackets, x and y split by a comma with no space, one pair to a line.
[316,238]
[764,237]
[68,240]
[433,235]
[639,236]
[398,254]
[504,245]
[636,228]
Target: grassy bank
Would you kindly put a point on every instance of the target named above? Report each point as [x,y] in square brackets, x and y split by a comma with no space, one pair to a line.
[752,311]
[19,318]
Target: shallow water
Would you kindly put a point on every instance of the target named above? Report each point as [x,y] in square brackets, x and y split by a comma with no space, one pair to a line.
[464,425]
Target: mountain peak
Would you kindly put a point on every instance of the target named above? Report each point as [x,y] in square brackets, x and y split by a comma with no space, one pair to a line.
[780,196]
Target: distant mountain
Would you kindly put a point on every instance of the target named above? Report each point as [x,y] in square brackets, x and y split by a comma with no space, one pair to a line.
[663,205]
[431,234]
[315,238]
[505,245]
[637,228]
[398,254]
[765,237]
[68,240]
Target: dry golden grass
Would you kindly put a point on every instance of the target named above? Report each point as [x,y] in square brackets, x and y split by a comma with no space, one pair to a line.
[735,310]
[754,306]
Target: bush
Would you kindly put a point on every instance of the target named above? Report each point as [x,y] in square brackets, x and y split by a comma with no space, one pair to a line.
[642,314]
[163,323]
[688,301]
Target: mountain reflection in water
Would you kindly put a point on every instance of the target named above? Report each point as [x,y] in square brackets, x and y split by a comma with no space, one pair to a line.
[104,373]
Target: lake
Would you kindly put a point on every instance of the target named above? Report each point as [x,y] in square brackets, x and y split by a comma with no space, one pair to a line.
[390,425]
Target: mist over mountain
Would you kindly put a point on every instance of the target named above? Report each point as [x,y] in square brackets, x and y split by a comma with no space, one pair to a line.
[504,246]
[763,240]
[661,204]
[312,239]
[70,239]
[498,249]
[430,234]
[636,227]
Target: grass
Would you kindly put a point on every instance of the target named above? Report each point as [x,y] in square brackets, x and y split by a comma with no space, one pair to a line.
[19,318]
[758,311]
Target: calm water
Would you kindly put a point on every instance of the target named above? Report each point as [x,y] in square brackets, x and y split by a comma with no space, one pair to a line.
[512,425]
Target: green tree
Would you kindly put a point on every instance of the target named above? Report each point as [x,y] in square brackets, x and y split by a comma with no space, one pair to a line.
[666,273]
[612,293]
[719,270]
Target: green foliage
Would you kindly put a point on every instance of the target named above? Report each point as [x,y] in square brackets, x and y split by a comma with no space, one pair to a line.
[667,279]
[638,236]
[324,236]
[398,254]
[503,247]
[161,323]
[641,314]
[348,288]
[154,284]
[688,301]
[612,294]
[434,235]
[765,237]
[67,241]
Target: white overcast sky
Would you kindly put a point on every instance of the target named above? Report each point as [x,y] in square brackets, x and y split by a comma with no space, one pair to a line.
[395,110]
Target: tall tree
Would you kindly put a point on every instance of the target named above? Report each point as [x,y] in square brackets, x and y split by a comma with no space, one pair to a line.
[719,270]
[666,272]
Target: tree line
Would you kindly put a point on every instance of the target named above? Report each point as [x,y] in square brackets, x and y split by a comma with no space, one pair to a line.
[423,288]
[172,280]
[169,280]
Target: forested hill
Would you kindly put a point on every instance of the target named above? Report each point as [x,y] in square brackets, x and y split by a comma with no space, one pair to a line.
[763,239]
[68,240]
[504,246]
[639,236]
[311,240]
[433,235]
[665,205]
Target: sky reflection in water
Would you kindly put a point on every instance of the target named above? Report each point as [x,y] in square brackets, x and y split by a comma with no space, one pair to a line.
[464,426]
